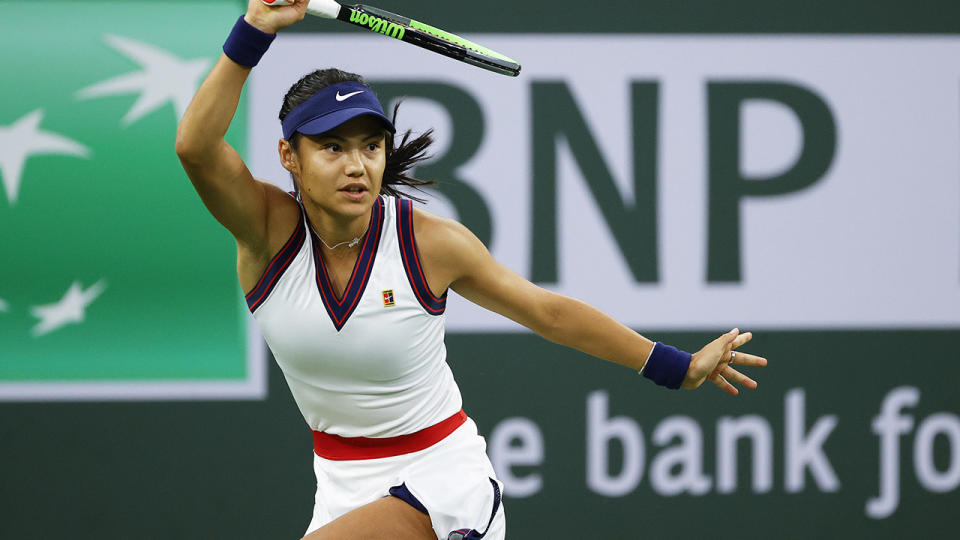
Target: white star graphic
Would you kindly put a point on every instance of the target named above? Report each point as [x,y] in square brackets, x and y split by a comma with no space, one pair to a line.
[70,308]
[164,78]
[23,139]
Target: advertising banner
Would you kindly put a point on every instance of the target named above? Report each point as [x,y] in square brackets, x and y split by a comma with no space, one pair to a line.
[684,182]
[115,283]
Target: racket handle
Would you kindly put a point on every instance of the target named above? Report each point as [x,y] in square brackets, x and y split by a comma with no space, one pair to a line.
[328,9]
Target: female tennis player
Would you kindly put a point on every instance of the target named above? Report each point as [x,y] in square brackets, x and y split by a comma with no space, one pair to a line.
[348,283]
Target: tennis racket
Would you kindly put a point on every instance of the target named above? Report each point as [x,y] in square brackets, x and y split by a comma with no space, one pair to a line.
[411,31]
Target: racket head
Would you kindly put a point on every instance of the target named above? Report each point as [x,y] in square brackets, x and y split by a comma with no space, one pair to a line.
[428,37]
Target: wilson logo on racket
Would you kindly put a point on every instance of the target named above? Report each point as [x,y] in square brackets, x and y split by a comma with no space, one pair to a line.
[377,24]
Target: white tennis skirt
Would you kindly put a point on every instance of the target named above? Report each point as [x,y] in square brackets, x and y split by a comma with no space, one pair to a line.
[451,479]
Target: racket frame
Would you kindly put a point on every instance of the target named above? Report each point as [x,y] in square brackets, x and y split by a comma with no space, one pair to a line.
[414,32]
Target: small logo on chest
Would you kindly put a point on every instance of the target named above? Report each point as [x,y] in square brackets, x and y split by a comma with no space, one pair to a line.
[388,298]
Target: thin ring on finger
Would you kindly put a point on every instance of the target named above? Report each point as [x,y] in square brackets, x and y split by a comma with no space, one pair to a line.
[733,356]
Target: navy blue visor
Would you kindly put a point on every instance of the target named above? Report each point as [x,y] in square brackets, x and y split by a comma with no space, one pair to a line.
[332,107]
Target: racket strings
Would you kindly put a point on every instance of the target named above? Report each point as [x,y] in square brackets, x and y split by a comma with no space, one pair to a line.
[454,39]
[456,46]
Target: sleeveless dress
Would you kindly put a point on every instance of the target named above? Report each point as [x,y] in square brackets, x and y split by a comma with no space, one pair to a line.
[372,364]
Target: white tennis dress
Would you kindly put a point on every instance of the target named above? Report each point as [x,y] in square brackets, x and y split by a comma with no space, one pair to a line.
[372,364]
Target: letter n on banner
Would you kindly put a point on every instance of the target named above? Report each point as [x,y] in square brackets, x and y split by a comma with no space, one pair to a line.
[633,224]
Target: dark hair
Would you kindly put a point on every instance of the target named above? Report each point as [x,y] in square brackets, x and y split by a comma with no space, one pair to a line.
[400,158]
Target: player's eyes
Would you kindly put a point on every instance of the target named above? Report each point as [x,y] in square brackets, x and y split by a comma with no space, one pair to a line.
[373,147]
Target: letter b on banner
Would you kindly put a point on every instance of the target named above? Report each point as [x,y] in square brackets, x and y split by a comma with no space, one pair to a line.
[467,121]
[601,430]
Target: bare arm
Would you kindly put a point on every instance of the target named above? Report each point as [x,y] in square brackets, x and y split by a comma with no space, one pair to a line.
[474,274]
[456,258]
[218,173]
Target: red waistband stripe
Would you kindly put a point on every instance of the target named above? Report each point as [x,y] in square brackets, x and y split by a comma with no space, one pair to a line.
[337,448]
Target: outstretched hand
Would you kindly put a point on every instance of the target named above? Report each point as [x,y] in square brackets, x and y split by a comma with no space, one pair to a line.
[713,363]
[270,19]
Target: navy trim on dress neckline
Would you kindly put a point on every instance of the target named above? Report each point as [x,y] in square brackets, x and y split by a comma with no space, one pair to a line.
[339,309]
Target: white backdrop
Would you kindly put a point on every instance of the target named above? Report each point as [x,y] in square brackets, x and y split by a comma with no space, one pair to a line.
[874,244]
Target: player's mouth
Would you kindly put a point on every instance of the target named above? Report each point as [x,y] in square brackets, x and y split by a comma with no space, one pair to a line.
[354,191]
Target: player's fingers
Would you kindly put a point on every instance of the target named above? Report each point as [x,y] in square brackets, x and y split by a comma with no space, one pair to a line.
[742,338]
[724,385]
[725,340]
[733,375]
[744,359]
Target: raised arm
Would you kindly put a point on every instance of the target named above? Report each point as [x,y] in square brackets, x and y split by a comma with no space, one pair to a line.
[457,259]
[238,201]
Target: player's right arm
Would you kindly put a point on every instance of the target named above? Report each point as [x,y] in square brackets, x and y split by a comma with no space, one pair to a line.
[237,200]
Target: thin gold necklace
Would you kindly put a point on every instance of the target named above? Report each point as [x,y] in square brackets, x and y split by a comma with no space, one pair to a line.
[348,243]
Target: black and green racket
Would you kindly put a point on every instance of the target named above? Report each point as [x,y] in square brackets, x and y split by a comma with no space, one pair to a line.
[411,31]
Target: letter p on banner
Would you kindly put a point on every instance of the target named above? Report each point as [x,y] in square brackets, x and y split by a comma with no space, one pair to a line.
[728,184]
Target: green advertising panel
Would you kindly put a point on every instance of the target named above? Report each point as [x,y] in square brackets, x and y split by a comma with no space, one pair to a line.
[116,282]
[847,436]
[851,434]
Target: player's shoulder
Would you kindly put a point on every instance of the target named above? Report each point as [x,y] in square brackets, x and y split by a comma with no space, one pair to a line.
[277,194]
[438,231]
[280,203]
[447,248]
[443,237]
[281,218]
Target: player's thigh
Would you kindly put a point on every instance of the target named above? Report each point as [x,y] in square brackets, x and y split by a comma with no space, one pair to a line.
[388,518]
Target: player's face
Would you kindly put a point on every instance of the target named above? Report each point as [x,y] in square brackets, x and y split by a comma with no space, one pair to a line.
[341,171]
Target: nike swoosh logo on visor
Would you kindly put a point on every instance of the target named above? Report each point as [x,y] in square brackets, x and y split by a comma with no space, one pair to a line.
[351,94]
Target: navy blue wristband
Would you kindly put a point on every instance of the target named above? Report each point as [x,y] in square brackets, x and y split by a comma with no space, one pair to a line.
[667,366]
[246,45]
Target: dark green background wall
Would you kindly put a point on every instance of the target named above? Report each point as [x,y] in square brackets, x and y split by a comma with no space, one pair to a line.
[243,469]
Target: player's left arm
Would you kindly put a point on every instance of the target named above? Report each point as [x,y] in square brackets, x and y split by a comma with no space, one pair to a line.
[453,257]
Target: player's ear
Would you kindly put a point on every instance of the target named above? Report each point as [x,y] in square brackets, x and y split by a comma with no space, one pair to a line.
[288,157]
